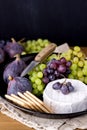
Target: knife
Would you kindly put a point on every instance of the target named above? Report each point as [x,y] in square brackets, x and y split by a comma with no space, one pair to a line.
[41,56]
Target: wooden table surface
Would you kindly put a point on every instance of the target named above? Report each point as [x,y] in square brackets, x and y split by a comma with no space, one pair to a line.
[7,123]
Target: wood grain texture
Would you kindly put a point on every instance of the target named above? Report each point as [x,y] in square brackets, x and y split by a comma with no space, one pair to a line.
[7,123]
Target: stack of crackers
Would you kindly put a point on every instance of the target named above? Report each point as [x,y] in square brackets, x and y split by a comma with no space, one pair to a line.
[29,101]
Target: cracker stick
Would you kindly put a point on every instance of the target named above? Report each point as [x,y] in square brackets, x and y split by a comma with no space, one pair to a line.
[24,97]
[16,101]
[20,99]
[38,100]
[36,103]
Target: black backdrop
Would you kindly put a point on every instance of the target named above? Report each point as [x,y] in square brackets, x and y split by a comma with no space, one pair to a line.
[57,20]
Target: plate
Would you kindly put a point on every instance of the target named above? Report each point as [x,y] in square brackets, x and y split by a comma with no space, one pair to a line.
[3,88]
[47,115]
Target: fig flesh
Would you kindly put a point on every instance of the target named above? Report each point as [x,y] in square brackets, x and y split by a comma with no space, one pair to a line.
[14,69]
[18,84]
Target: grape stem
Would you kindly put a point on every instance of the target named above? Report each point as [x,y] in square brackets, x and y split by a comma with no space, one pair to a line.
[64,81]
[59,55]
[63,77]
[13,40]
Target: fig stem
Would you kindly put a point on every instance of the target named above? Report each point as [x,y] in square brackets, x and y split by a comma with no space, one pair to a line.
[21,40]
[10,77]
[13,40]
[17,56]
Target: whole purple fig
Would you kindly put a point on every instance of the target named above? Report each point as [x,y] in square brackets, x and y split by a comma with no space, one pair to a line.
[2,55]
[13,48]
[18,84]
[14,68]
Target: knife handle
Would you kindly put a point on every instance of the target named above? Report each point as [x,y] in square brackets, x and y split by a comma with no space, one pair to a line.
[45,52]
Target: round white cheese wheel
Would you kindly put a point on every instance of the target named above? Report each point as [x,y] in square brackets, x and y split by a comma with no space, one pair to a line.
[75,101]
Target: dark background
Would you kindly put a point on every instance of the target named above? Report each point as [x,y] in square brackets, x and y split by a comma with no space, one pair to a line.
[57,20]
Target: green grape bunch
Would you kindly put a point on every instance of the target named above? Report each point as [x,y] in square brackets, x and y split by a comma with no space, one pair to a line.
[35,46]
[35,76]
[79,63]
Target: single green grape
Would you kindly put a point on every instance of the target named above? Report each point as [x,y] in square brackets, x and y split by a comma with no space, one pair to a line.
[75,53]
[35,91]
[70,51]
[40,74]
[38,81]
[77,48]
[42,66]
[40,87]
[34,86]
[80,54]
[28,42]
[80,63]
[75,60]
[45,41]
[34,74]
[71,76]
[80,74]
[39,40]
[39,48]
[46,44]
[74,66]
[32,79]
[68,57]
[74,72]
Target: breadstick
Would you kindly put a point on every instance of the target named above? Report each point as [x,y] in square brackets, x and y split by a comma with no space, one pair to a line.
[38,100]
[36,103]
[24,97]
[20,99]
[16,101]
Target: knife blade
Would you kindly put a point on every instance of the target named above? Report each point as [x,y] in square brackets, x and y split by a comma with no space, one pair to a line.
[41,56]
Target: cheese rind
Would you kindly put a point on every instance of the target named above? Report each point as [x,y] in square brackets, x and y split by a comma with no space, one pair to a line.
[75,101]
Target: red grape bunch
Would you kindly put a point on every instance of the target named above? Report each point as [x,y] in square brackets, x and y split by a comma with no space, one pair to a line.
[56,69]
[65,87]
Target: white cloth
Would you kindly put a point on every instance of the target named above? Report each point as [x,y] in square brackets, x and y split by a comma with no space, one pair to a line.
[39,123]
